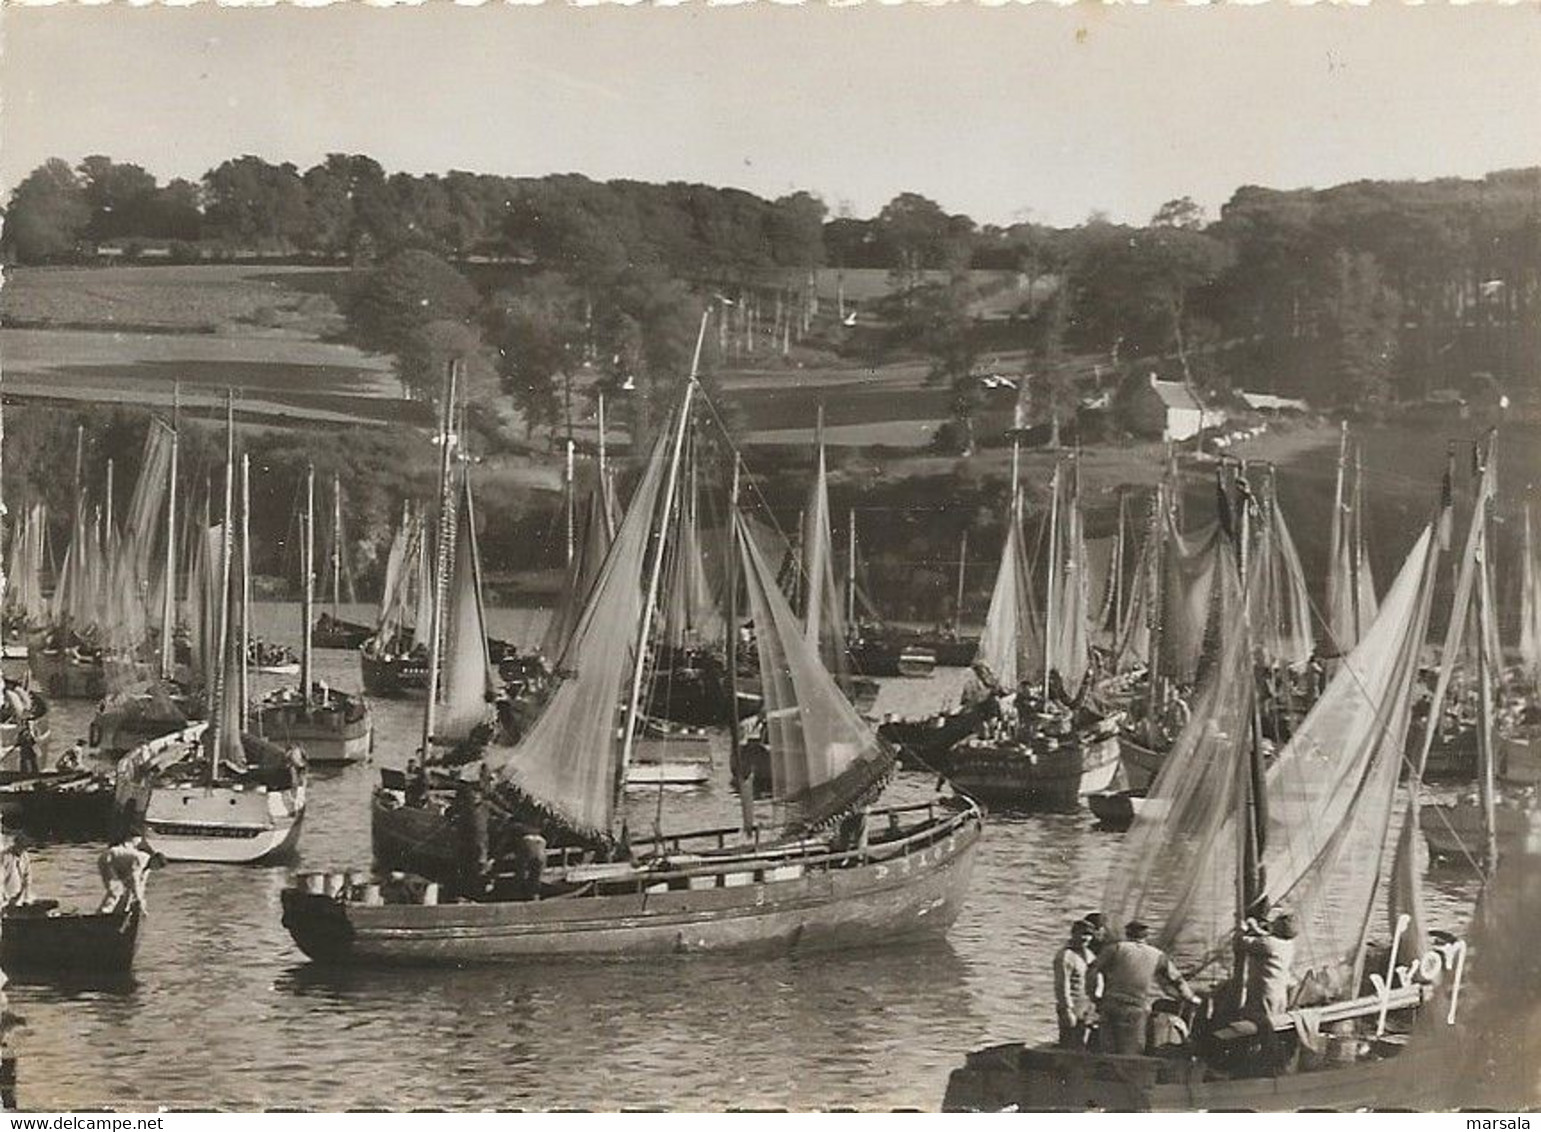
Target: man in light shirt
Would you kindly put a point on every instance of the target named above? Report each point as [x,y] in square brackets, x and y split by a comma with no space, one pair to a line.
[1134,975]
[16,872]
[123,867]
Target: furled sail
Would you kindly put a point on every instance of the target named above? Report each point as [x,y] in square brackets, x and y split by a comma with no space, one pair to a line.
[1351,603]
[468,679]
[568,762]
[1011,643]
[422,626]
[824,759]
[393,598]
[691,615]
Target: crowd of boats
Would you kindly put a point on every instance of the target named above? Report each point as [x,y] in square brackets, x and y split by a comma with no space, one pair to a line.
[1172,677]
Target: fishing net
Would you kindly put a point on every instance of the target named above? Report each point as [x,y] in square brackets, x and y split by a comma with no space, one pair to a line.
[1177,868]
[593,545]
[1280,606]
[1192,564]
[824,759]
[568,764]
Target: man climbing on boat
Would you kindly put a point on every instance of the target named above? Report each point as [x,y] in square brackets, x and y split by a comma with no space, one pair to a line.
[1134,975]
[124,868]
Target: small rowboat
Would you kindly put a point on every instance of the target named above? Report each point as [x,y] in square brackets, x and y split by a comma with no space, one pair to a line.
[65,804]
[39,940]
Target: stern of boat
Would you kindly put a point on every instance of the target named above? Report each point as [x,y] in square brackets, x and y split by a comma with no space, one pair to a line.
[318,924]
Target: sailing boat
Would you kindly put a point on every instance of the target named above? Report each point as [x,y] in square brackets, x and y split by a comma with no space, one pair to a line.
[214,791]
[394,661]
[1224,839]
[878,649]
[716,890]
[334,727]
[1051,746]
[331,631]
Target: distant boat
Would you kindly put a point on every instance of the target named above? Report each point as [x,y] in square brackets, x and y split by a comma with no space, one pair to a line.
[332,726]
[331,630]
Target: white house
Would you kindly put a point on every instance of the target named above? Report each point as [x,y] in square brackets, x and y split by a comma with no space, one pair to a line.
[1185,415]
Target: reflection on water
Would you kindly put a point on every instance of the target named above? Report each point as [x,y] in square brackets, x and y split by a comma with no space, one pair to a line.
[225,1011]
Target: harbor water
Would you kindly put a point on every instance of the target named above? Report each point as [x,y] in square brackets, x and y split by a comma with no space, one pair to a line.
[224,1011]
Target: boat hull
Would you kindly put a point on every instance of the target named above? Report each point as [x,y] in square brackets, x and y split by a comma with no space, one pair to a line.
[332,734]
[223,825]
[1141,763]
[1046,1079]
[1010,776]
[924,743]
[334,633]
[667,773]
[393,676]
[82,943]
[1115,809]
[1454,830]
[65,805]
[775,907]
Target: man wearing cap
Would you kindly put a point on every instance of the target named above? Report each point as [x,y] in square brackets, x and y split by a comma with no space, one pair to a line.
[123,867]
[1072,1002]
[16,872]
[1134,975]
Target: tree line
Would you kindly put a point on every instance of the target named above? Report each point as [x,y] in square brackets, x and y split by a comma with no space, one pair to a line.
[1355,296]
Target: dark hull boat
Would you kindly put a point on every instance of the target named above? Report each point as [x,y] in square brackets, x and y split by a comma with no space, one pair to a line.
[335,633]
[47,942]
[923,744]
[1044,775]
[67,804]
[1115,809]
[391,674]
[743,898]
[127,720]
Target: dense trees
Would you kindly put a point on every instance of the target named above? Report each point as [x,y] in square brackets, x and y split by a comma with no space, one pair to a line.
[1356,294]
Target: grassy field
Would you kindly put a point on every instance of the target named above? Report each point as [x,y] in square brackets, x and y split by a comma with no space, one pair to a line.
[126,334]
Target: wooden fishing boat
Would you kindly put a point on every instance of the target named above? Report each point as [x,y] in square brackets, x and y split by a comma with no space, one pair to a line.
[923,744]
[1198,862]
[45,941]
[286,668]
[1044,772]
[331,632]
[905,885]
[124,720]
[66,672]
[333,727]
[866,883]
[71,805]
[213,791]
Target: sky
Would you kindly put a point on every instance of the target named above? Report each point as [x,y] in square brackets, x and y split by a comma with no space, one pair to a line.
[1005,113]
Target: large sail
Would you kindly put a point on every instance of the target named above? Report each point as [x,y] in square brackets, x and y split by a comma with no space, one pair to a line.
[422,625]
[1332,789]
[1011,643]
[1280,606]
[691,615]
[393,598]
[823,620]
[568,762]
[1066,611]
[593,545]
[468,676]
[824,759]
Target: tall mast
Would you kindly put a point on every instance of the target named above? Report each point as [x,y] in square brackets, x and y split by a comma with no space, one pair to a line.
[446,506]
[957,605]
[735,735]
[221,665]
[107,519]
[336,546]
[572,492]
[1484,596]
[1051,603]
[245,589]
[850,589]
[650,606]
[1155,609]
[1119,551]
[169,598]
[308,566]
